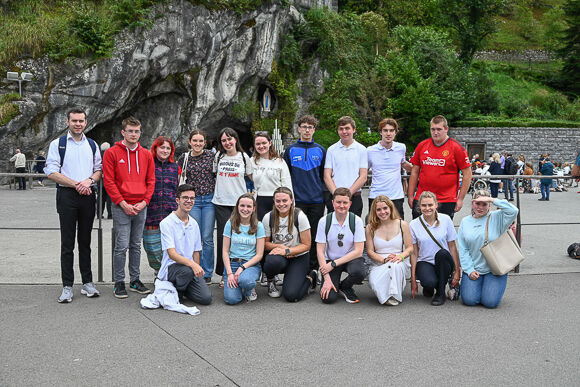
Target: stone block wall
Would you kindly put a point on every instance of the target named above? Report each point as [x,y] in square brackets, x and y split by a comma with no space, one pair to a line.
[561,143]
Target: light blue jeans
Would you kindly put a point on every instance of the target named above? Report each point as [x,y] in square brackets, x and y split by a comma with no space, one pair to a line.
[487,290]
[128,236]
[246,282]
[203,212]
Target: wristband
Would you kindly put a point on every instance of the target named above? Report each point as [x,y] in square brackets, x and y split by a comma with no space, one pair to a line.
[402,257]
[243,267]
[384,260]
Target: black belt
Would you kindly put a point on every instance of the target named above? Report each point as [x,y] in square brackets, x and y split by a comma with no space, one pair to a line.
[356,194]
[237,260]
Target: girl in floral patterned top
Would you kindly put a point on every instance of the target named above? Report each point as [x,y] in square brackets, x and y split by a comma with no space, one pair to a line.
[197,166]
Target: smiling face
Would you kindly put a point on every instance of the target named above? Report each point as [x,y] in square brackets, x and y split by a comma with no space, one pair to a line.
[229,144]
[439,132]
[383,211]
[262,146]
[346,133]
[76,124]
[479,209]
[186,201]
[197,143]
[283,203]
[131,135]
[245,209]
[163,151]
[341,204]
[428,207]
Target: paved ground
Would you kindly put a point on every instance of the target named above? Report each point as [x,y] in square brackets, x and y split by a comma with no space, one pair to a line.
[529,340]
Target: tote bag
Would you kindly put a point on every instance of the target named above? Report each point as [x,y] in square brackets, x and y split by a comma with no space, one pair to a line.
[503,254]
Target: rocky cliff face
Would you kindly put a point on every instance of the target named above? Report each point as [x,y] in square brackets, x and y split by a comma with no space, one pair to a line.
[184,72]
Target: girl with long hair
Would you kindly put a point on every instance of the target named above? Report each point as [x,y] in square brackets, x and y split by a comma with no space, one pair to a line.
[435,256]
[288,240]
[243,248]
[197,166]
[389,246]
[163,200]
[231,164]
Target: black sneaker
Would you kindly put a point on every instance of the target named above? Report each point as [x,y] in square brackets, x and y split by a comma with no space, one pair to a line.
[438,299]
[137,286]
[314,279]
[119,290]
[428,292]
[349,295]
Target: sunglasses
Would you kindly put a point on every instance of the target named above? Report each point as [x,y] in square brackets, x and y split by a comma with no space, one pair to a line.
[340,243]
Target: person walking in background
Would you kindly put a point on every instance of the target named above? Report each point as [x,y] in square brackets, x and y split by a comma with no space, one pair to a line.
[436,165]
[346,164]
[163,201]
[495,169]
[546,169]
[39,166]
[130,181]
[197,165]
[74,164]
[19,160]
[305,160]
[232,165]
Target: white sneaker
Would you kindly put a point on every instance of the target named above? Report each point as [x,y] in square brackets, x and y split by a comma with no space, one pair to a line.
[273,290]
[66,296]
[278,280]
[391,301]
[89,290]
[264,280]
[253,296]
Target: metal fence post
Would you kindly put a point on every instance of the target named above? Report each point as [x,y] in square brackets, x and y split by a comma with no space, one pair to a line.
[100,230]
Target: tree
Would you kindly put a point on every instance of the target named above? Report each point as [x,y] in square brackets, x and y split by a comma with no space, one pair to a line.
[570,52]
[472,21]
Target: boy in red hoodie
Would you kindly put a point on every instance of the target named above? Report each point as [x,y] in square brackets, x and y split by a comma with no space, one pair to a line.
[129,180]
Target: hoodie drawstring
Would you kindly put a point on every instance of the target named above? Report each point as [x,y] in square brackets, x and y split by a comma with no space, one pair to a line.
[136,159]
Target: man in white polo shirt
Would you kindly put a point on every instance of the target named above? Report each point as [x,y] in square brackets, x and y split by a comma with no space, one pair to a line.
[385,160]
[340,239]
[346,164]
[181,244]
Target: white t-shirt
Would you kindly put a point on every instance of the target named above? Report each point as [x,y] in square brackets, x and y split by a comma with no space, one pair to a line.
[230,183]
[444,233]
[333,250]
[386,166]
[269,175]
[185,239]
[345,162]
[281,236]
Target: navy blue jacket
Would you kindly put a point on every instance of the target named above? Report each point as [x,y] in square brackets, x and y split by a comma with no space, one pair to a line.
[306,164]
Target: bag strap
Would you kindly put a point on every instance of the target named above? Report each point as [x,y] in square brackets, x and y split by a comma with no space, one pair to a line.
[185,160]
[486,228]
[429,232]
[402,239]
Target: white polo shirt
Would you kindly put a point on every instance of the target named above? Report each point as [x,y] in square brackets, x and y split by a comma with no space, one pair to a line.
[444,233]
[333,250]
[185,239]
[345,162]
[386,166]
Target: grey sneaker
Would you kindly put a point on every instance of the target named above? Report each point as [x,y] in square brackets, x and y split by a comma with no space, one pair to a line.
[278,281]
[264,280]
[66,295]
[253,296]
[89,290]
[273,290]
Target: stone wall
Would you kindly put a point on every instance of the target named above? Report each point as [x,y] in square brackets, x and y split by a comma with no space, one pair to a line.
[515,56]
[561,143]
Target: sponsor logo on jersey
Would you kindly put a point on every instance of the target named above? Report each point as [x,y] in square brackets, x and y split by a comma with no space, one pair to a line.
[434,162]
[297,158]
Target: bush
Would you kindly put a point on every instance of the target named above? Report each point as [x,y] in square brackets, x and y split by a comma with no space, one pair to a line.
[8,110]
[326,137]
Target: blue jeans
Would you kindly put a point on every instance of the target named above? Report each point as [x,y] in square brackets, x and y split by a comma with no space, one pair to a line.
[203,212]
[545,189]
[246,282]
[487,290]
[128,236]
[508,187]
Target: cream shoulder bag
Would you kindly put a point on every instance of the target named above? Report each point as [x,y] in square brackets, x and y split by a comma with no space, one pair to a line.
[504,253]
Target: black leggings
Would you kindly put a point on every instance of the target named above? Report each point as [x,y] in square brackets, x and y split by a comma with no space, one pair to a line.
[295,282]
[356,274]
[435,276]
[222,215]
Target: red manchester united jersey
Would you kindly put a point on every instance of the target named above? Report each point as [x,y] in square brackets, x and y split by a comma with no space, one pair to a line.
[440,166]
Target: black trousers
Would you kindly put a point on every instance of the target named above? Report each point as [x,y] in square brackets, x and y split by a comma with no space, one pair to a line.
[21,180]
[436,276]
[295,282]
[265,205]
[356,274]
[444,208]
[222,215]
[313,212]
[75,210]
[194,288]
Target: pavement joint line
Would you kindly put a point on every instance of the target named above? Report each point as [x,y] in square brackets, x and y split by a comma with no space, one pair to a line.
[105,283]
[188,347]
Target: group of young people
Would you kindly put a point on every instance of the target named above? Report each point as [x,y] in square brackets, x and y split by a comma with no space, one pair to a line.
[173,206]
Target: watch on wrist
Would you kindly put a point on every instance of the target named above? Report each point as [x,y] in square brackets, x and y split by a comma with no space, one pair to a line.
[333,263]
[243,267]
[287,252]
[92,180]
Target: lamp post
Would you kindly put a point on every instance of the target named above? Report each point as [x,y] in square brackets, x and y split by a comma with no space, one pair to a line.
[16,77]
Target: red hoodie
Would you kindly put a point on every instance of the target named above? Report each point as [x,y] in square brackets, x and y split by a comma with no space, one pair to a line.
[129,174]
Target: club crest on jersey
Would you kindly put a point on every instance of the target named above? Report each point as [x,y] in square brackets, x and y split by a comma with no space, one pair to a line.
[445,153]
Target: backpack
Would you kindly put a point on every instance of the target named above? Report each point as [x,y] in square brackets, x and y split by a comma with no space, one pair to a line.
[574,250]
[271,219]
[511,167]
[351,223]
[62,147]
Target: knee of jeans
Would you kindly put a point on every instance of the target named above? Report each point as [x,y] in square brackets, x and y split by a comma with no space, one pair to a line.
[234,298]
[331,299]
[490,302]
[290,295]
[247,283]
[206,300]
